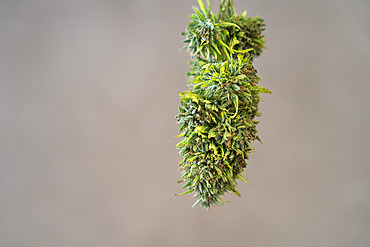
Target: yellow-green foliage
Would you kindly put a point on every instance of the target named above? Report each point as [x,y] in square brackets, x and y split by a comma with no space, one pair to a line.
[217,116]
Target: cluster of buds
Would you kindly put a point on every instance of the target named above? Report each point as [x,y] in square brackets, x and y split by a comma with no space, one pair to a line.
[217,115]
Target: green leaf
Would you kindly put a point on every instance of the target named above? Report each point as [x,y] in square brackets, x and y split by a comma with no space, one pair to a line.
[243,51]
[236,103]
[202,7]
[226,52]
[186,192]
[187,184]
[243,179]
[212,133]
[199,49]
[222,43]
[229,24]
[263,90]
[216,49]
[197,202]
[213,17]
[235,87]
[236,192]
[199,15]
[240,77]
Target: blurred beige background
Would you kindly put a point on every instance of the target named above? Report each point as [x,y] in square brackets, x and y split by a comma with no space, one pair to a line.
[88,95]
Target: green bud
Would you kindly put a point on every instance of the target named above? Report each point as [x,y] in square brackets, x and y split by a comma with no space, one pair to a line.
[216,115]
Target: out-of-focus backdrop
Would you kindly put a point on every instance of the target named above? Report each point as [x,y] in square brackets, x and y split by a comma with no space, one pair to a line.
[88,95]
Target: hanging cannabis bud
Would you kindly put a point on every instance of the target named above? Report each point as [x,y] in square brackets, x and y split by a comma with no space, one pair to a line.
[217,115]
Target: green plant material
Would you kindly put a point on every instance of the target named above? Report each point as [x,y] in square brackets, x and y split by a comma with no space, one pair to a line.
[212,38]
[227,10]
[217,115]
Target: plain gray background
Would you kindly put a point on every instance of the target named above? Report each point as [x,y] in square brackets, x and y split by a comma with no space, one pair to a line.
[88,95]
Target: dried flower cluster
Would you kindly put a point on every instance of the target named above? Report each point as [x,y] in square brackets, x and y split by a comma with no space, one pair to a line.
[217,115]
